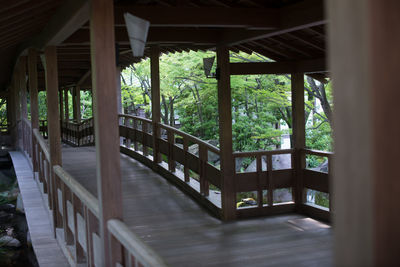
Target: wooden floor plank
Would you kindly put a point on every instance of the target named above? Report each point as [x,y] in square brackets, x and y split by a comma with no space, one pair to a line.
[46,248]
[185,234]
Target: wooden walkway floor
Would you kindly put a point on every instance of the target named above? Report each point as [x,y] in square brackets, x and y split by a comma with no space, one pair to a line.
[46,248]
[186,235]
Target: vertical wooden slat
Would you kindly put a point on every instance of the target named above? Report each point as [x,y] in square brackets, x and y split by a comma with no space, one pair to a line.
[186,168]
[66,196]
[299,141]
[53,124]
[203,157]
[135,128]
[102,44]
[225,135]
[259,177]
[155,99]
[270,194]
[77,208]
[144,142]
[127,139]
[66,105]
[171,142]
[78,103]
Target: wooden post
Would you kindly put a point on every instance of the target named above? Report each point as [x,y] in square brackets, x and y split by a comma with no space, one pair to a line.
[74,109]
[66,105]
[22,80]
[17,105]
[61,102]
[298,131]
[33,91]
[225,135]
[78,103]
[53,124]
[155,100]
[365,168]
[106,120]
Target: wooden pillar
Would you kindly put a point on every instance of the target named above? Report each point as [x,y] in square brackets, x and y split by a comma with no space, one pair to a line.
[118,83]
[53,124]
[106,121]
[78,103]
[155,99]
[22,87]
[66,105]
[17,106]
[225,135]
[365,61]
[298,131]
[61,102]
[74,104]
[33,91]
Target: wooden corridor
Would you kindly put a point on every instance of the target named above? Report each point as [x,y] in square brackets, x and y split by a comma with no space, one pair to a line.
[184,234]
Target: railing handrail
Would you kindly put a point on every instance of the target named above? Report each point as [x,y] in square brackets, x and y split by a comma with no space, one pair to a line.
[133,243]
[318,152]
[81,192]
[192,138]
[135,117]
[42,143]
[262,152]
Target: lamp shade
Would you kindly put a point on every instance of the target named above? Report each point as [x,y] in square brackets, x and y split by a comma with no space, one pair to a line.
[207,65]
[137,32]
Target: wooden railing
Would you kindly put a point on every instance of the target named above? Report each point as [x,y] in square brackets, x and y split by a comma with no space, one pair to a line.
[75,213]
[135,252]
[263,180]
[78,134]
[168,153]
[318,181]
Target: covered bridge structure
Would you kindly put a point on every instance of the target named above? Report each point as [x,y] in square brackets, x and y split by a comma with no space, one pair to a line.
[102,179]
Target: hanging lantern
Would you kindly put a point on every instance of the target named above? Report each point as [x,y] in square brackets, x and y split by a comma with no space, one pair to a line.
[207,66]
[137,32]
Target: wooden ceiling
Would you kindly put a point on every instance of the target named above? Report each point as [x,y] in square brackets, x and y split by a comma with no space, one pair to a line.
[283,30]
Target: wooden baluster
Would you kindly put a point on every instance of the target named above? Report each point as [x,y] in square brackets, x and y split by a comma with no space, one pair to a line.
[78,250]
[331,208]
[135,129]
[259,180]
[185,167]
[171,142]
[144,134]
[127,139]
[66,195]
[92,226]
[117,256]
[203,158]
[270,181]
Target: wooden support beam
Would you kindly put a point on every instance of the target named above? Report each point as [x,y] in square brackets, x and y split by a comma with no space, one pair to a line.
[106,121]
[53,125]
[299,133]
[299,16]
[225,135]
[33,92]
[179,16]
[304,66]
[155,99]
[68,18]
